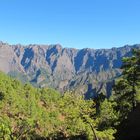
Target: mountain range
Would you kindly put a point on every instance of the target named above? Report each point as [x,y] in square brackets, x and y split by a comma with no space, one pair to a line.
[85,71]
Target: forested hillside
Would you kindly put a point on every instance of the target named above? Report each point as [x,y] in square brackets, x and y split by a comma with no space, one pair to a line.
[29,113]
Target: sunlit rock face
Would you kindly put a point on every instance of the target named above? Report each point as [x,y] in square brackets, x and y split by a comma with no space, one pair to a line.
[86,71]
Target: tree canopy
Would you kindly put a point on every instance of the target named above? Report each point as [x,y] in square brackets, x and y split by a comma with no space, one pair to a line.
[29,113]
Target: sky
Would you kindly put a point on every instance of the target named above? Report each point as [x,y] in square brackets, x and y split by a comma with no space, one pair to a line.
[71,23]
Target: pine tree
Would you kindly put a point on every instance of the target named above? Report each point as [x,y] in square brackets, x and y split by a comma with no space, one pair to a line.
[131,72]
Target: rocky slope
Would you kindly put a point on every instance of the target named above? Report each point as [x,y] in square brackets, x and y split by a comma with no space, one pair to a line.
[85,71]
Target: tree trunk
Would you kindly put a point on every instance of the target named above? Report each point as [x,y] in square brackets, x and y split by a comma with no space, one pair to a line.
[133,97]
[93,130]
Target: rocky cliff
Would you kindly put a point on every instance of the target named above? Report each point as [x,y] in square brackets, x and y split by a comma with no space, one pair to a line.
[86,71]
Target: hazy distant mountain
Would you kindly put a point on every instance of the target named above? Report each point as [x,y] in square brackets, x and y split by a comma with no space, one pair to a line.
[87,71]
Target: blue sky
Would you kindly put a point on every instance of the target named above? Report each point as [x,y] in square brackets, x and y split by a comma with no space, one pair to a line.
[71,23]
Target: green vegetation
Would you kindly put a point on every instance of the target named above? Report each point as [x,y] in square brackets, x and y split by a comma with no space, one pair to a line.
[32,113]
[127,86]
[29,113]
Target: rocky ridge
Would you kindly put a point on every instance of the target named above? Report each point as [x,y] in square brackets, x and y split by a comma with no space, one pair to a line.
[86,71]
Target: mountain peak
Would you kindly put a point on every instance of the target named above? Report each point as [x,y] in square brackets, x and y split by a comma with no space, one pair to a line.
[64,68]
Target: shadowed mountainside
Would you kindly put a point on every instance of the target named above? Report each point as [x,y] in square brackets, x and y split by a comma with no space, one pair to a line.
[86,71]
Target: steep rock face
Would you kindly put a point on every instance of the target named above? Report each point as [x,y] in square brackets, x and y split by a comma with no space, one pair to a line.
[85,71]
[8,59]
